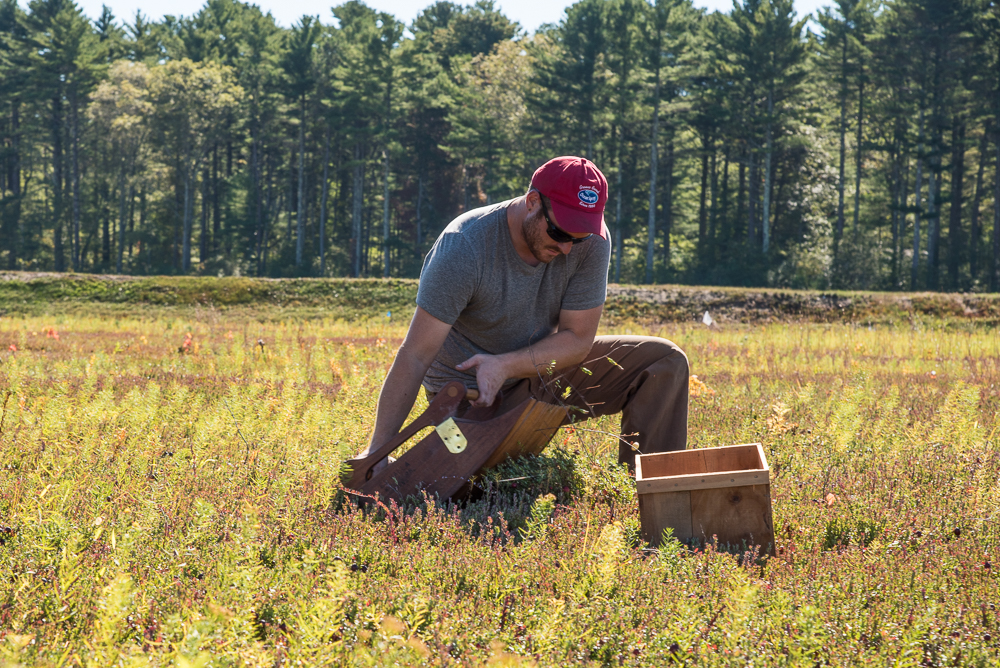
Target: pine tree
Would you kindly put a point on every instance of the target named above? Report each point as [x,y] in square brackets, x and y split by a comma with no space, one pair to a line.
[362,100]
[190,100]
[845,53]
[669,24]
[624,61]
[300,76]
[121,110]
[65,62]
[13,80]
[570,79]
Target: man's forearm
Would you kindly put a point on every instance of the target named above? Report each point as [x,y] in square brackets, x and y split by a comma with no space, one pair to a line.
[558,351]
[399,392]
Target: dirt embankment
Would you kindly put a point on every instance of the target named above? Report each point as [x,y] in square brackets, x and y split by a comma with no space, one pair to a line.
[677,303]
[27,292]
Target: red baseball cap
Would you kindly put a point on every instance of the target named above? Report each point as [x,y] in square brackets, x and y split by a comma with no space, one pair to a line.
[578,192]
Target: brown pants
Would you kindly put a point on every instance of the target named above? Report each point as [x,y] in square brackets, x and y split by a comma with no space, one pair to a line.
[644,378]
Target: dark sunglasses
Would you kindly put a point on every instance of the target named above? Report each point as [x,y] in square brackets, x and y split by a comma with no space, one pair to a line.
[558,235]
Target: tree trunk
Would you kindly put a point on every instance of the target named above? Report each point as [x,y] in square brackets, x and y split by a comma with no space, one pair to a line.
[917,210]
[366,232]
[186,218]
[703,197]
[356,211]
[741,194]
[291,215]
[859,158]
[103,198]
[420,207]
[300,203]
[142,221]
[14,185]
[143,208]
[933,224]
[974,232]
[465,188]
[105,262]
[995,266]
[765,217]
[651,220]
[668,200]
[955,241]
[752,178]
[57,183]
[385,215]
[122,209]
[894,217]
[75,147]
[322,200]
[713,205]
[258,208]
[216,206]
[204,240]
[724,228]
[841,179]
[618,226]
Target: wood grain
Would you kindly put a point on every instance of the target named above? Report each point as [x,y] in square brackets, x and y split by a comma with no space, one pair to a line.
[704,460]
[660,511]
[533,430]
[736,516]
[678,483]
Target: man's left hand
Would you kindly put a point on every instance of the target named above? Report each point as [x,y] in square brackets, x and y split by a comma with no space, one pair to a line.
[490,376]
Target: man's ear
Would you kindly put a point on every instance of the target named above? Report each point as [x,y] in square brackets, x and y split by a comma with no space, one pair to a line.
[533,199]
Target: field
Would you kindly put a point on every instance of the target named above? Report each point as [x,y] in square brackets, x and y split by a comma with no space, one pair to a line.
[169,495]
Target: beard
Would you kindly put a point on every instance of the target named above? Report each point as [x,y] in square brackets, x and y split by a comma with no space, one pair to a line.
[539,242]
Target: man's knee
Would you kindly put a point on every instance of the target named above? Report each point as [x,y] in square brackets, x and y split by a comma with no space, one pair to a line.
[671,360]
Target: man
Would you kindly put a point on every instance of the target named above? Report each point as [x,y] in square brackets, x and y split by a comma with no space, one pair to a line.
[509,301]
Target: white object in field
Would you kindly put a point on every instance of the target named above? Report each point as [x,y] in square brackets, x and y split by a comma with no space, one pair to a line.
[707,319]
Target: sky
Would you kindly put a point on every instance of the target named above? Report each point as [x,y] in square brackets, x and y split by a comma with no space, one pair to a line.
[529,13]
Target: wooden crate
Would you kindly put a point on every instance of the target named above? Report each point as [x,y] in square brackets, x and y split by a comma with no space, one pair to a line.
[710,494]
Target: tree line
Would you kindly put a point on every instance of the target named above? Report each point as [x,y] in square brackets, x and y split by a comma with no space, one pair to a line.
[744,148]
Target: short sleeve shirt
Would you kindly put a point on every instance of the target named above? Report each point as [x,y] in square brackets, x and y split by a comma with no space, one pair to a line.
[474,280]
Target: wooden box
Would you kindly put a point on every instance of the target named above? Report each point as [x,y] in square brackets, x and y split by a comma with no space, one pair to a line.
[711,494]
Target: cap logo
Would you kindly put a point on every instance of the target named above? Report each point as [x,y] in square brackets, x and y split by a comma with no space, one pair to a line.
[588,197]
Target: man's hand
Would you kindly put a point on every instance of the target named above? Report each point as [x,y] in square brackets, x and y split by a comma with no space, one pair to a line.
[491,372]
[568,346]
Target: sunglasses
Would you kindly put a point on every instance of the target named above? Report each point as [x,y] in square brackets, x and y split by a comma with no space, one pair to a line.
[558,235]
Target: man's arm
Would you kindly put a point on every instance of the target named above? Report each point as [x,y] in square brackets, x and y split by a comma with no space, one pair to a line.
[423,340]
[568,346]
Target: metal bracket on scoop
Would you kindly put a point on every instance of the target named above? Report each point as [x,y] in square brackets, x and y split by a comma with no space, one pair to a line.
[452,436]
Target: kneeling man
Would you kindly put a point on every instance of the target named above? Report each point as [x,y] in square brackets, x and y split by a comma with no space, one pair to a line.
[509,300]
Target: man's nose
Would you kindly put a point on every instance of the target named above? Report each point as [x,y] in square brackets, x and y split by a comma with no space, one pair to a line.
[565,248]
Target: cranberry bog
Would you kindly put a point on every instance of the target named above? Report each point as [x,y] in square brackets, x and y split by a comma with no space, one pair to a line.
[170,495]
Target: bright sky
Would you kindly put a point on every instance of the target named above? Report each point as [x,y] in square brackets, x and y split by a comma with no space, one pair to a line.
[529,13]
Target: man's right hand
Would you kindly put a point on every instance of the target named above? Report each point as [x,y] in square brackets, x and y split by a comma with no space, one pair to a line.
[491,373]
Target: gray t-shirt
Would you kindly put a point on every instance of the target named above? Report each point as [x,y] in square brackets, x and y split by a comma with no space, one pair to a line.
[474,280]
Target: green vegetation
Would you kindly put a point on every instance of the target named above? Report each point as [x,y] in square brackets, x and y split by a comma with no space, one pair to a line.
[393,299]
[169,495]
[343,298]
[753,147]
